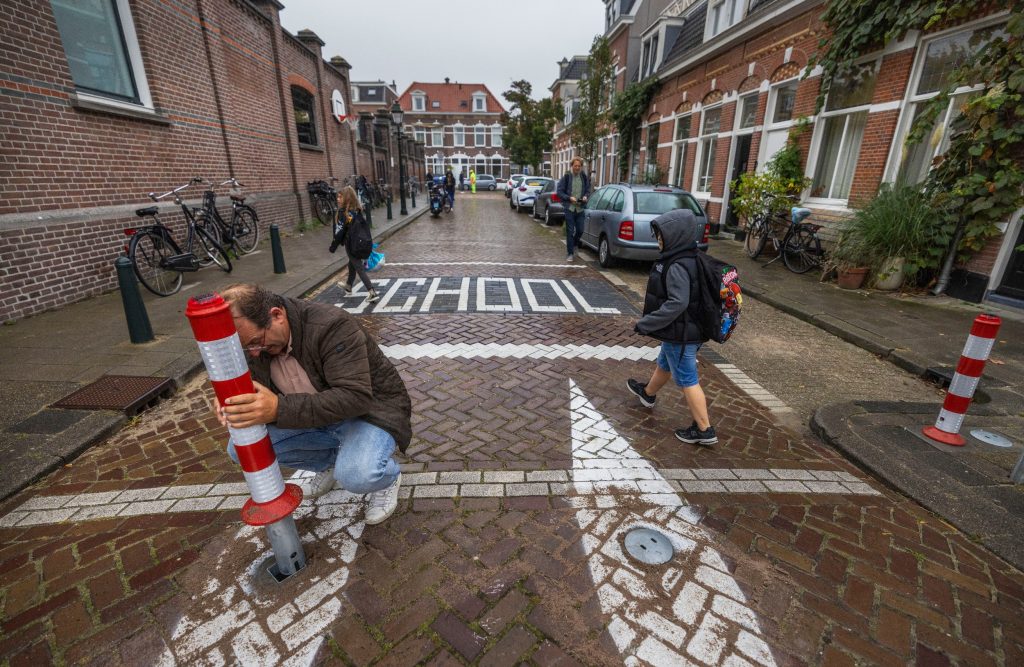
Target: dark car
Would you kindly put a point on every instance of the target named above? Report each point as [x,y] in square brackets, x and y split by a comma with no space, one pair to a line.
[617,220]
[548,205]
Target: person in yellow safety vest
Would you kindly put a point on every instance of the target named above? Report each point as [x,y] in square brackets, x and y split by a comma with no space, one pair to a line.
[472,181]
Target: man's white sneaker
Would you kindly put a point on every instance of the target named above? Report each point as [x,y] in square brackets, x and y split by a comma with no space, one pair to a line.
[383,503]
[321,483]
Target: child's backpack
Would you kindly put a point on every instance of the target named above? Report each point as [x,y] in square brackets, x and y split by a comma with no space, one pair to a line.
[720,297]
[358,240]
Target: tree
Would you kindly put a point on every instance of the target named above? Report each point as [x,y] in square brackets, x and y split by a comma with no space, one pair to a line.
[528,125]
[594,93]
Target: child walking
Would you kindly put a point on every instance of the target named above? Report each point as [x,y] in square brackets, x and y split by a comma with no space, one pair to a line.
[350,211]
[671,309]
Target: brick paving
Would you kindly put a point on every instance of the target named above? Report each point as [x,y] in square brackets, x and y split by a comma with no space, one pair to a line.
[827,576]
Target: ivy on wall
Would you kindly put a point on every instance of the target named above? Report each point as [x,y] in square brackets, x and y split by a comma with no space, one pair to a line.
[628,110]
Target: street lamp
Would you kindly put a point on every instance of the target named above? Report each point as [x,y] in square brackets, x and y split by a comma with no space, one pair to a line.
[396,117]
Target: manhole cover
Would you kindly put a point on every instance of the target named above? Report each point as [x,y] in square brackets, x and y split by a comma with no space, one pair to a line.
[127,393]
[648,546]
[991,438]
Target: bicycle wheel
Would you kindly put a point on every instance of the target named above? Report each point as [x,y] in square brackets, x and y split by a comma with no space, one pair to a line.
[148,252]
[757,237]
[802,250]
[212,250]
[324,210]
[246,229]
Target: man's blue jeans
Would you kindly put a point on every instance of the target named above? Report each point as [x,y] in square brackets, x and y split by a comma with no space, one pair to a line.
[573,229]
[359,452]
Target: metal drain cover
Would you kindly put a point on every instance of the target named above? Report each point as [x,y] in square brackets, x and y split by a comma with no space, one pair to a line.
[128,393]
[649,546]
[992,438]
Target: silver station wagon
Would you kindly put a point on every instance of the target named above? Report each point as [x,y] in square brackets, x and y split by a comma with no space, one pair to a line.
[617,220]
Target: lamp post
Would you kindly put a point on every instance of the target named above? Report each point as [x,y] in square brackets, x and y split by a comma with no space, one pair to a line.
[396,117]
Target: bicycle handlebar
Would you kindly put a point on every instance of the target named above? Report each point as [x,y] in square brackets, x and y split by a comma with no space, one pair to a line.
[155,197]
[232,181]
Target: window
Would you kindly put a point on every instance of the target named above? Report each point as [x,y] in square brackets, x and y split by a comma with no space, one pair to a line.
[371,92]
[305,116]
[481,136]
[723,14]
[479,102]
[711,123]
[617,202]
[936,62]
[656,203]
[355,93]
[101,49]
[496,136]
[748,111]
[420,135]
[649,59]
[419,102]
[842,120]
[598,201]
[679,149]
[435,105]
[460,135]
[652,148]
[785,100]
[437,136]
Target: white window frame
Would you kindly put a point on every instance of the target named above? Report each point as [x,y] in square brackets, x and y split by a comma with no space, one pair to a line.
[479,135]
[496,135]
[651,52]
[680,147]
[738,9]
[419,102]
[704,141]
[435,133]
[912,100]
[420,134]
[479,102]
[459,134]
[755,96]
[355,94]
[769,127]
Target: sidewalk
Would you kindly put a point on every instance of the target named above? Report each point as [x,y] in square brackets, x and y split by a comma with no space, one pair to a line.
[47,357]
[968,486]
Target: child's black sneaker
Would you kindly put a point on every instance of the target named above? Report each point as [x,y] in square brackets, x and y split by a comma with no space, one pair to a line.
[695,436]
[638,388]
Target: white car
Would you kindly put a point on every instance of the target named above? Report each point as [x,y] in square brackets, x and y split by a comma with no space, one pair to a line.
[511,183]
[524,195]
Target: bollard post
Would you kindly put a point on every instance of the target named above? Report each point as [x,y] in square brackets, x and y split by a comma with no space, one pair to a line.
[275,250]
[139,328]
[390,217]
[965,381]
[272,501]
[413,198]
[369,215]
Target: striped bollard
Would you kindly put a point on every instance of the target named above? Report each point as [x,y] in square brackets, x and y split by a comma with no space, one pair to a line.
[272,500]
[965,381]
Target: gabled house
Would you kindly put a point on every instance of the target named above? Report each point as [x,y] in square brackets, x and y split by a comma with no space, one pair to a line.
[564,91]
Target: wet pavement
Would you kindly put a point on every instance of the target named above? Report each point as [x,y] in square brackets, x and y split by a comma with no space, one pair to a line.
[530,462]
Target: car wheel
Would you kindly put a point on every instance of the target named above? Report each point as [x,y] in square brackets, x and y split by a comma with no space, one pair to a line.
[493,188]
[547,215]
[604,253]
[511,203]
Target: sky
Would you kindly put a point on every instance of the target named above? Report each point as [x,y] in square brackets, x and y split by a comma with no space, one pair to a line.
[485,41]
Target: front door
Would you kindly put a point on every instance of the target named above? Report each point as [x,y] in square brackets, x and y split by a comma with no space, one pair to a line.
[740,164]
[1013,278]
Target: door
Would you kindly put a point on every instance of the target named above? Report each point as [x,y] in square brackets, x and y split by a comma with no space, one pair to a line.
[740,165]
[1013,277]
[593,216]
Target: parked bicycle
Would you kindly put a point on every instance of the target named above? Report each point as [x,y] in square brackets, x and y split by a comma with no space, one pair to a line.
[158,260]
[799,246]
[325,200]
[243,232]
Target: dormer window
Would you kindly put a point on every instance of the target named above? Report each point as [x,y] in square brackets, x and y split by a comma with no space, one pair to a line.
[479,102]
[723,14]
[650,58]
[419,102]
[355,93]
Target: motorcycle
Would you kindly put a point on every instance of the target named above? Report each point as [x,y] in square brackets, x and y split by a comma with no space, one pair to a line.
[438,200]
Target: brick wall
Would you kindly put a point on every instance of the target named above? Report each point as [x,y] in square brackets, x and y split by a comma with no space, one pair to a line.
[71,177]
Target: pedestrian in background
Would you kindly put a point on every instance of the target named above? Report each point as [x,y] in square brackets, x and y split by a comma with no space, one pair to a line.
[449,187]
[350,212]
[462,179]
[573,189]
[671,314]
[472,181]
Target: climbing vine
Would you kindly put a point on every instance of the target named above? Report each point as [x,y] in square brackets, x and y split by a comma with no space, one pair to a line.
[979,181]
[628,110]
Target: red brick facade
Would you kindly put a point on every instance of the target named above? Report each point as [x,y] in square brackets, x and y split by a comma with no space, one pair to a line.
[219,74]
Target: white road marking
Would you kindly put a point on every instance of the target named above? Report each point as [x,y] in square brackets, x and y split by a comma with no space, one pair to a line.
[546,266]
[753,389]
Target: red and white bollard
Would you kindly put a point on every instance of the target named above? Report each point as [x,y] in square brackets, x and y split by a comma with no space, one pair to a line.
[965,381]
[272,501]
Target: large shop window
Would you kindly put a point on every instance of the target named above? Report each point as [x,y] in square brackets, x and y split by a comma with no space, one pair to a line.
[843,121]
[936,62]
[711,123]
[97,36]
[679,146]
[305,116]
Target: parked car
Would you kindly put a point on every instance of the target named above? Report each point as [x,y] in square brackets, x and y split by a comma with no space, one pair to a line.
[512,183]
[548,205]
[483,182]
[617,220]
[523,196]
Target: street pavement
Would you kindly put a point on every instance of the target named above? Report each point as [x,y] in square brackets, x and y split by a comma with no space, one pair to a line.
[529,464]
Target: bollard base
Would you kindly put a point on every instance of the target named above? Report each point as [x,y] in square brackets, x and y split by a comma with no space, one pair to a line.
[938,435]
[263,514]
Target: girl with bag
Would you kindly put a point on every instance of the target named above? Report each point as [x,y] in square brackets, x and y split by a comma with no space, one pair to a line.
[353,229]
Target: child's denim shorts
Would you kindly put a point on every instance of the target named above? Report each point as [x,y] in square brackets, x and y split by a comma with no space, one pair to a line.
[680,359]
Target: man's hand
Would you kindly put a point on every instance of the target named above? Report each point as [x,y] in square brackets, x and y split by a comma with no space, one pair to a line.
[247,410]
[572,200]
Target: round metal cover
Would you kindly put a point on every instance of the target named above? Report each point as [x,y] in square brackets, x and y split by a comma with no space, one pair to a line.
[648,546]
[991,438]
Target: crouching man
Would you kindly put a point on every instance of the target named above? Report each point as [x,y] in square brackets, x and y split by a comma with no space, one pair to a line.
[332,402]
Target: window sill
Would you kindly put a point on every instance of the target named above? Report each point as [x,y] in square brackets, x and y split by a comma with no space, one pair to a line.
[311,147]
[89,102]
[837,205]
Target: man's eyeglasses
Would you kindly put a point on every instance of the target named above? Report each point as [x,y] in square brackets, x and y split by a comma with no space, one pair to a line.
[262,345]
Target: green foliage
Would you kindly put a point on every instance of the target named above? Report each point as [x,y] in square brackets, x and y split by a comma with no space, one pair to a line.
[594,87]
[627,112]
[655,175]
[776,188]
[528,125]
[896,223]
[979,182]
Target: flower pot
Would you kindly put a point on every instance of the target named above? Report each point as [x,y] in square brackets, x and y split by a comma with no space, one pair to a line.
[852,278]
[890,276]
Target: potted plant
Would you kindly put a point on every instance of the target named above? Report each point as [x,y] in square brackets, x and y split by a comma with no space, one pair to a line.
[848,258]
[892,231]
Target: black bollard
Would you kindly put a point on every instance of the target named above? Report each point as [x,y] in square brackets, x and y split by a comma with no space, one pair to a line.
[413,193]
[369,215]
[275,249]
[139,328]
[389,210]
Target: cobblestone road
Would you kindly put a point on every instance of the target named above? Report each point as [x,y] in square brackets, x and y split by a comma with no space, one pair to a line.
[529,463]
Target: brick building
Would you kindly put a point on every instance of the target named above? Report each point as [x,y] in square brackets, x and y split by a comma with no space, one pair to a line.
[732,87]
[564,91]
[460,125]
[104,101]
[376,143]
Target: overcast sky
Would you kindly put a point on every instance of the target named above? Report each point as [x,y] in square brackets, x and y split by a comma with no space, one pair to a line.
[484,41]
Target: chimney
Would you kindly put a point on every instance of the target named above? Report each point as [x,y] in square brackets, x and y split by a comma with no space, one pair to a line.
[563,65]
[311,40]
[340,62]
[447,80]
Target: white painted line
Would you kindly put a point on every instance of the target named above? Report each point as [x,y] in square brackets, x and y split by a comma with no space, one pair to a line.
[490,350]
[753,389]
[544,266]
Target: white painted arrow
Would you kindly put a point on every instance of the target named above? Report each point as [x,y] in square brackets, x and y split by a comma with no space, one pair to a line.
[698,613]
